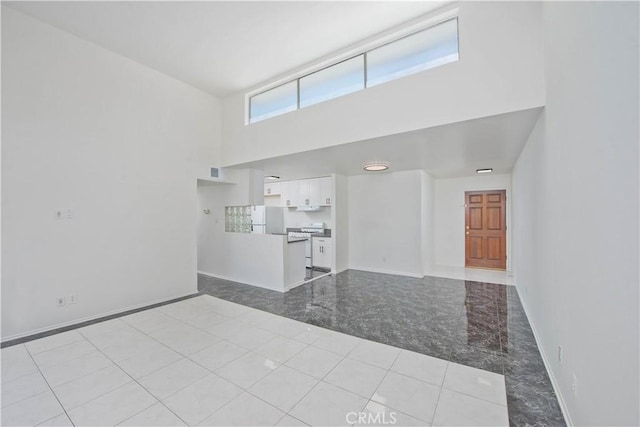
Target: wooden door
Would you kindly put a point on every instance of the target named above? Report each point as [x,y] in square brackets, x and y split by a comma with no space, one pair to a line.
[486,229]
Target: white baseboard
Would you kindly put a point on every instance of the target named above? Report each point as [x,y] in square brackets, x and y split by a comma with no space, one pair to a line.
[547,365]
[295,285]
[394,272]
[88,318]
[231,279]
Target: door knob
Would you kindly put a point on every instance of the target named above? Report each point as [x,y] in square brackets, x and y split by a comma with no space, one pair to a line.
[467,233]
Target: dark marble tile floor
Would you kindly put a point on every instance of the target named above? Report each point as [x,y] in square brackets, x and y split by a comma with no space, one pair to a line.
[482,325]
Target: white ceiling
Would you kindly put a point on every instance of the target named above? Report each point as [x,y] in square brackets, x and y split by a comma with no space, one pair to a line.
[225,46]
[445,151]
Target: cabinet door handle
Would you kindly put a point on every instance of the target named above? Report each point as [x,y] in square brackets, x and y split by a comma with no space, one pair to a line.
[306,202]
[328,201]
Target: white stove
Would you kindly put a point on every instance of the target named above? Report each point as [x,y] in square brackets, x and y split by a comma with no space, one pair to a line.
[314,228]
[298,235]
[305,233]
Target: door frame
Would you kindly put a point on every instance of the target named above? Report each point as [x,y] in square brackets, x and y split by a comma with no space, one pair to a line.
[507,223]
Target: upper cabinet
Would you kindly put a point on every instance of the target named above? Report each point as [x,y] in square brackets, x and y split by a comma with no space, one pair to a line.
[272,188]
[307,193]
[288,193]
[304,192]
[325,191]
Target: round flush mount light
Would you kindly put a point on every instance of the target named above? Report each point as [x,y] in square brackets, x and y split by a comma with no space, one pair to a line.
[375,166]
[272,177]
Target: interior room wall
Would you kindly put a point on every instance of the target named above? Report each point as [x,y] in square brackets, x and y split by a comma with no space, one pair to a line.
[500,70]
[115,148]
[575,191]
[385,220]
[340,213]
[428,222]
[449,237]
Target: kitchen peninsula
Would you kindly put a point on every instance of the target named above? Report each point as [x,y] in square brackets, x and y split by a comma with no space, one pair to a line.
[253,249]
[266,260]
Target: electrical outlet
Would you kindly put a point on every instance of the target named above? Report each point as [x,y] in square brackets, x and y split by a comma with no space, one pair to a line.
[560,353]
[73,298]
[60,301]
[574,385]
[57,214]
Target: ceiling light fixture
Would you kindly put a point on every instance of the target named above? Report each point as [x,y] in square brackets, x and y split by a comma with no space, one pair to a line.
[375,166]
[271,177]
[485,170]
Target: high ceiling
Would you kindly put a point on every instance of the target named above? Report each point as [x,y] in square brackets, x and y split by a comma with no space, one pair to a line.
[224,46]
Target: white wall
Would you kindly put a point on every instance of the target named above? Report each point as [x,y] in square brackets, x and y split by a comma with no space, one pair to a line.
[428,222]
[117,143]
[385,222]
[575,192]
[449,237]
[340,213]
[500,70]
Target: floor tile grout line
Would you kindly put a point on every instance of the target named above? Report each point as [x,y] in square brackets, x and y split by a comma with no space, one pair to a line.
[444,378]
[289,415]
[67,360]
[475,397]
[321,380]
[4,383]
[50,389]
[381,381]
[189,358]
[135,381]
[385,376]
[246,390]
[56,347]
[206,368]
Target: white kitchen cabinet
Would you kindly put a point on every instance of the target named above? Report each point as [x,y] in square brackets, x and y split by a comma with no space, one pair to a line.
[304,192]
[289,193]
[314,192]
[272,189]
[322,249]
[325,191]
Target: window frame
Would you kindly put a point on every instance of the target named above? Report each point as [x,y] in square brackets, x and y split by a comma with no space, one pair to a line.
[383,40]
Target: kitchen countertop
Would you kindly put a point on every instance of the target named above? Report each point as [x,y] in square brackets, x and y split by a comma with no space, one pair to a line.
[296,239]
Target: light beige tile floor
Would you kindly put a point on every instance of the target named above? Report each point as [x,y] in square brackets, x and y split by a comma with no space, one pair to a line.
[206,361]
